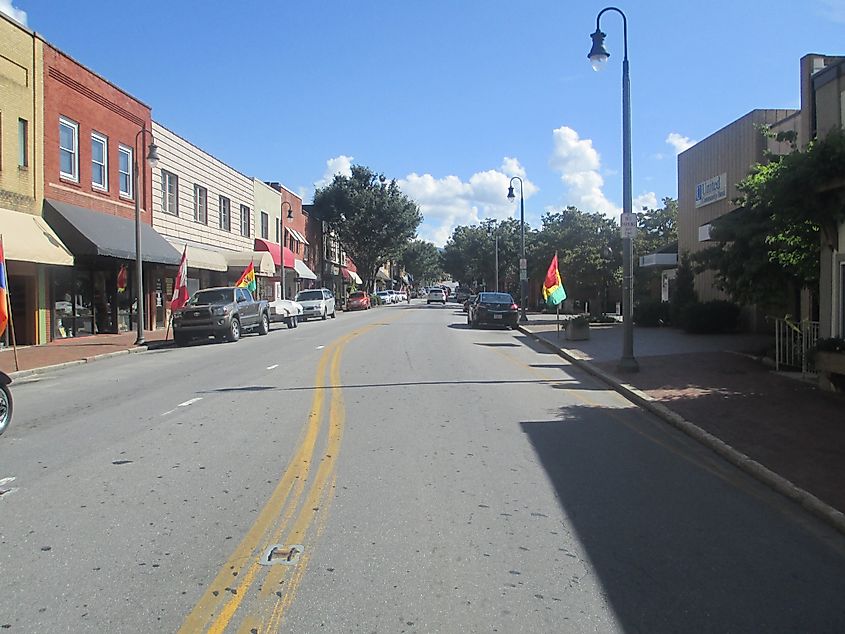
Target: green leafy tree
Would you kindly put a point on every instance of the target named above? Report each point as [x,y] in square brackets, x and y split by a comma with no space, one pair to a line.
[789,206]
[372,218]
[656,229]
[684,294]
[423,260]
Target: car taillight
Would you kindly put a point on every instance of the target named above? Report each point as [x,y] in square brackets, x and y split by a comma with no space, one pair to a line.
[514,307]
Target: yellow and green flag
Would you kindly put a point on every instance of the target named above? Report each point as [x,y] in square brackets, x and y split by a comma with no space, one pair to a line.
[553,291]
[247,280]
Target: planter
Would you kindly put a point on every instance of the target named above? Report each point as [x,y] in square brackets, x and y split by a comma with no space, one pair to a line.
[577,329]
[831,369]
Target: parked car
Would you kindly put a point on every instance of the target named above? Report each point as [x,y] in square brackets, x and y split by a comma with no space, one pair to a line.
[493,308]
[469,300]
[5,402]
[224,312]
[462,294]
[286,310]
[436,294]
[385,297]
[317,302]
[358,300]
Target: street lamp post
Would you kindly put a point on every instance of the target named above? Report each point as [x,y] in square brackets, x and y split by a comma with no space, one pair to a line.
[598,56]
[523,264]
[282,236]
[495,231]
[152,159]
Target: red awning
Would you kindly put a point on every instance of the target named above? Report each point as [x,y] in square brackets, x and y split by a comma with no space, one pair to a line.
[351,265]
[275,250]
[345,273]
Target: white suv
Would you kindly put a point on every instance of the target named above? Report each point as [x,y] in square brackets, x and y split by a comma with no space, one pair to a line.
[316,302]
[436,295]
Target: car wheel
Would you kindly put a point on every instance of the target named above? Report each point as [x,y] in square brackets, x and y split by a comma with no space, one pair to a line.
[323,316]
[333,315]
[5,407]
[234,330]
[264,324]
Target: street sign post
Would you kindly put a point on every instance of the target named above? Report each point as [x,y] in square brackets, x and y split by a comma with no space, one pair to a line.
[628,225]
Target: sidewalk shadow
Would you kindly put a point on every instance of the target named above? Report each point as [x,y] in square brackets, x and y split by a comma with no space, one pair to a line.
[675,547]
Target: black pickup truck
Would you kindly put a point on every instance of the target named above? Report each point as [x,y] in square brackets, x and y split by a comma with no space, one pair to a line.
[223,312]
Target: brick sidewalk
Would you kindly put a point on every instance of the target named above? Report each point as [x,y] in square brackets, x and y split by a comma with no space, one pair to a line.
[75,349]
[787,425]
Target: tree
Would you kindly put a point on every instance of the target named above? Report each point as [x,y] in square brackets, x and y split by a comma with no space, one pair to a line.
[423,261]
[656,229]
[771,245]
[372,218]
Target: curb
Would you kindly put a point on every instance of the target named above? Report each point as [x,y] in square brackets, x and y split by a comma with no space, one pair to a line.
[23,374]
[807,500]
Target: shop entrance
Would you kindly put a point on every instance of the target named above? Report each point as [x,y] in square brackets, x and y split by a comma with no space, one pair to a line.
[22,291]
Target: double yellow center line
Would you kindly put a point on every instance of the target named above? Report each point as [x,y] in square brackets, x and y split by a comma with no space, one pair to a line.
[295,514]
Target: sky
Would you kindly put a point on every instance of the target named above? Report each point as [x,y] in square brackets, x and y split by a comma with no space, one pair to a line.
[449,97]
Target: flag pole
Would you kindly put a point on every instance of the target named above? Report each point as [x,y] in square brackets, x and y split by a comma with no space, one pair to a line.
[9,307]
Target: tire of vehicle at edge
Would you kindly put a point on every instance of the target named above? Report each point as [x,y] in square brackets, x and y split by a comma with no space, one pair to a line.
[264,324]
[323,316]
[333,314]
[234,330]
[6,417]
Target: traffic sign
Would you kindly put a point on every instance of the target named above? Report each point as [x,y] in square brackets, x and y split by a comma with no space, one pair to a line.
[628,225]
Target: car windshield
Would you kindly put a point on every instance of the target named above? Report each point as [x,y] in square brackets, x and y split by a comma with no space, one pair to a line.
[357,295]
[309,296]
[435,291]
[496,298]
[218,296]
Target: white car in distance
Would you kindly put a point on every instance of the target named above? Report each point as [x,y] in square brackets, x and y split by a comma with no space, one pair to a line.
[436,295]
[316,302]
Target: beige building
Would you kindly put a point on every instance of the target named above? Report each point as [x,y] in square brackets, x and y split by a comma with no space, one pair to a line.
[31,248]
[206,208]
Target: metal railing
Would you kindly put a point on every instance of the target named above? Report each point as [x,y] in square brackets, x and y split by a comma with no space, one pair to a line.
[793,342]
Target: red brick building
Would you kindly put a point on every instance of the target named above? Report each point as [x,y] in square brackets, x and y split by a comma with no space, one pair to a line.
[93,134]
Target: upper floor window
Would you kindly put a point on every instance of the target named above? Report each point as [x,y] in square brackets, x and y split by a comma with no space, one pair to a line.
[124,170]
[278,230]
[99,161]
[201,204]
[245,213]
[23,143]
[169,193]
[265,225]
[68,149]
[225,214]
[306,253]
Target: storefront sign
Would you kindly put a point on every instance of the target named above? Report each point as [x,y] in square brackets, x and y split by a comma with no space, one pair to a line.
[711,190]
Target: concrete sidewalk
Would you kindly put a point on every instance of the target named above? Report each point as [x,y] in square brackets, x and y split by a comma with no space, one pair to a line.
[784,431]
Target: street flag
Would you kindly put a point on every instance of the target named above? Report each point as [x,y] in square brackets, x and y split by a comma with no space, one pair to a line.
[180,286]
[4,296]
[553,291]
[248,279]
[121,279]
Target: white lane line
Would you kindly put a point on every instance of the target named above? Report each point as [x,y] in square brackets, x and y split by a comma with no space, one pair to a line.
[320,347]
[191,402]
[6,481]
[273,367]
[170,411]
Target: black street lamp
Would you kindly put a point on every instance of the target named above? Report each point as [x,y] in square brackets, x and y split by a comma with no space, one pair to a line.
[282,236]
[523,264]
[152,160]
[598,56]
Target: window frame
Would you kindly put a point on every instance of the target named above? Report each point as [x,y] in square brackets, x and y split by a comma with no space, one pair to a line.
[74,152]
[98,137]
[23,143]
[265,225]
[227,226]
[200,214]
[165,193]
[278,230]
[125,150]
[246,213]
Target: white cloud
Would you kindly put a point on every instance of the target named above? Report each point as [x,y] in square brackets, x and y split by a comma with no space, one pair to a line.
[679,142]
[14,13]
[448,202]
[833,10]
[338,165]
[579,165]
[646,199]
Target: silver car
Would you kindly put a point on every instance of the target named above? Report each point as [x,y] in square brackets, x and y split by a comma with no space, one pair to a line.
[316,302]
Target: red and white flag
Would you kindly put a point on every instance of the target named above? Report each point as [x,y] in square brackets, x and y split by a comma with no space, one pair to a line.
[180,286]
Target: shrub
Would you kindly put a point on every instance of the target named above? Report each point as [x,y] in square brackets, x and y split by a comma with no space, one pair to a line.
[710,317]
[652,313]
[684,292]
[375,300]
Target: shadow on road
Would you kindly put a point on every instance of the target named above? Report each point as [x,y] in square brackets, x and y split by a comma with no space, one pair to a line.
[677,546]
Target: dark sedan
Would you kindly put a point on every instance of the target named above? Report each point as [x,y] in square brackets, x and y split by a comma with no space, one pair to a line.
[493,308]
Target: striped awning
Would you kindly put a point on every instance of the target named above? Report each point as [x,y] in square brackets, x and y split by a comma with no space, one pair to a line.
[296,235]
[262,261]
[197,257]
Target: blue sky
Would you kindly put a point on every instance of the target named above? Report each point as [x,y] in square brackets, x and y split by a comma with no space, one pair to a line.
[450,97]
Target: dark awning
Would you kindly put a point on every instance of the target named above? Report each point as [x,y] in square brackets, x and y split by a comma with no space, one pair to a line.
[92,233]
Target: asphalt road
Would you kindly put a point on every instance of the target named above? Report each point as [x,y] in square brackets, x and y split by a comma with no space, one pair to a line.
[432,478]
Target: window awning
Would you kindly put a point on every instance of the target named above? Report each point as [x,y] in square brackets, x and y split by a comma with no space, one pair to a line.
[275,250]
[28,238]
[199,257]
[382,276]
[296,235]
[92,233]
[302,270]
[261,260]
